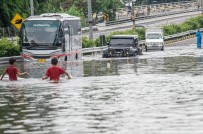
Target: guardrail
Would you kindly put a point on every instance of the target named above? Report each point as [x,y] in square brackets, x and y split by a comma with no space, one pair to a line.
[149,16]
[168,40]
[86,29]
[110,23]
[93,49]
[6,59]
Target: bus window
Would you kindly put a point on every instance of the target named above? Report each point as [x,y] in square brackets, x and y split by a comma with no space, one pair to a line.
[41,31]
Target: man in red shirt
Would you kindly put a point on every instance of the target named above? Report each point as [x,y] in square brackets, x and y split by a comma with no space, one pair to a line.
[13,71]
[54,71]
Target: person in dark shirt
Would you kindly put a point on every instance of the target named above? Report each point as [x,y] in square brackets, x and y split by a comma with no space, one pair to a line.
[54,72]
[13,71]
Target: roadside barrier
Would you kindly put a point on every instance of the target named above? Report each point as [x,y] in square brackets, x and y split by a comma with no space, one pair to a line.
[4,60]
[110,23]
[86,29]
[150,16]
[167,39]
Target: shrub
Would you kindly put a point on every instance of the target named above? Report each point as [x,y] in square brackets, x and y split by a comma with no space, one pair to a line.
[141,33]
[190,24]
[193,23]
[200,21]
[86,43]
[7,48]
[185,27]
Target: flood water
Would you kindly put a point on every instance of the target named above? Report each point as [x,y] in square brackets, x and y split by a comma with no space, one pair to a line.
[156,93]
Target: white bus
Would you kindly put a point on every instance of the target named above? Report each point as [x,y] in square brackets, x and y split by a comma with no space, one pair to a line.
[51,35]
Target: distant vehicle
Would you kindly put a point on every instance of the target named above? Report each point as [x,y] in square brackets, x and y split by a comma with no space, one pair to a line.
[51,34]
[129,3]
[154,38]
[122,46]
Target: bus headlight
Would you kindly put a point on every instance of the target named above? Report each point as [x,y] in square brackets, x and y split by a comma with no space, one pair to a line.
[56,52]
[27,53]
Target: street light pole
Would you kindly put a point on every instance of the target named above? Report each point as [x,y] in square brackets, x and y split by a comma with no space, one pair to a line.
[90,21]
[202,7]
[133,15]
[32,7]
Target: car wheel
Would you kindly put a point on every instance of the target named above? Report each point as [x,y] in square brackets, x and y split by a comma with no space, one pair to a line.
[162,49]
[139,51]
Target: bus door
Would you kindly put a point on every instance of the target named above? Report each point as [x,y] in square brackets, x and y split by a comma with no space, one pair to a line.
[68,37]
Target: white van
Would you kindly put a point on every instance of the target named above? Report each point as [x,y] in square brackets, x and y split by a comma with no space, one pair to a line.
[154,38]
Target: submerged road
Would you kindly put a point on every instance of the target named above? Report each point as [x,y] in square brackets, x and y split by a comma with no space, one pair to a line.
[158,92]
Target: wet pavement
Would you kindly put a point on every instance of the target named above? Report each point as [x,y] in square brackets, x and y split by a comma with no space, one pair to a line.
[156,93]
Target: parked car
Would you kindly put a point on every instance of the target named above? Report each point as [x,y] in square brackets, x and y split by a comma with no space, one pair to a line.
[122,46]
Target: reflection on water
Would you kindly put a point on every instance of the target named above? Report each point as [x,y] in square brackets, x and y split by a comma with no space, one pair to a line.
[149,95]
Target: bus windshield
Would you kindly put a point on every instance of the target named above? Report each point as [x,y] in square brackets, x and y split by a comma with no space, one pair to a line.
[41,32]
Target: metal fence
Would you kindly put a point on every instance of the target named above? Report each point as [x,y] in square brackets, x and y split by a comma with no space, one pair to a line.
[8,32]
[150,16]
[168,40]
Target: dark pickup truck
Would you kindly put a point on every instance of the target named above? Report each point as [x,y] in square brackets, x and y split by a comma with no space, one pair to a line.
[122,46]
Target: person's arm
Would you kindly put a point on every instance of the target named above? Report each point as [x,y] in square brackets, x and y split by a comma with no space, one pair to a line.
[21,74]
[2,76]
[44,77]
[69,76]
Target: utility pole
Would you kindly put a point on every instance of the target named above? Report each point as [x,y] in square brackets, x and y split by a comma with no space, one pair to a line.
[202,7]
[90,21]
[133,15]
[32,7]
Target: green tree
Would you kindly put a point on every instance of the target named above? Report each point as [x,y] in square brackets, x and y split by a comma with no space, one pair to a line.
[110,7]
[50,6]
[9,8]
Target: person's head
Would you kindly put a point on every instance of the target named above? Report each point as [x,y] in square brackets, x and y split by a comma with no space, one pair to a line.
[54,61]
[12,61]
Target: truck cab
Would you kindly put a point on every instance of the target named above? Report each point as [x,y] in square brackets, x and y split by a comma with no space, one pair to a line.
[122,46]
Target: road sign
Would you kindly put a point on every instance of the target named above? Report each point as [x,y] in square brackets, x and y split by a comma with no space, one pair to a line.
[17,21]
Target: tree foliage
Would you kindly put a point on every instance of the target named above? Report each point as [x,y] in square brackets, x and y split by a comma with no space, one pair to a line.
[9,8]
[7,48]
